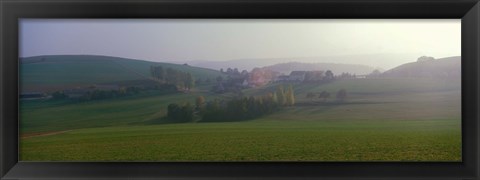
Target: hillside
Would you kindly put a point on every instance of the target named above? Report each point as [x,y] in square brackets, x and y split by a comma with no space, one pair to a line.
[48,73]
[241,64]
[374,60]
[449,67]
[286,68]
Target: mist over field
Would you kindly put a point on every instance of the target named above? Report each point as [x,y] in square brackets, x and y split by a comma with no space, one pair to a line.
[240,90]
[379,43]
[262,114]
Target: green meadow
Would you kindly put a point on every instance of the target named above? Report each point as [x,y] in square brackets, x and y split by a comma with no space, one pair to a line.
[259,140]
[399,124]
[388,119]
[61,71]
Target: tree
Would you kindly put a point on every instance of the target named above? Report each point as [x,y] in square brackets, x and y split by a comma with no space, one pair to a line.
[187,113]
[219,78]
[199,102]
[213,112]
[157,72]
[375,73]
[198,81]
[275,98]
[178,113]
[425,58]
[171,76]
[160,73]
[310,95]
[244,73]
[251,107]
[59,95]
[219,88]
[189,82]
[122,91]
[240,108]
[292,94]
[290,97]
[172,111]
[260,108]
[341,95]
[152,72]
[324,95]
[183,80]
[329,75]
[281,95]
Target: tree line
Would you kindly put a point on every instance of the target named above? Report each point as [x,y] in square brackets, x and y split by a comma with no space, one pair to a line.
[183,80]
[96,94]
[237,109]
[90,94]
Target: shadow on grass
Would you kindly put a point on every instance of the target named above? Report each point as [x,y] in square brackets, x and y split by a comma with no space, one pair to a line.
[162,120]
[166,120]
[337,103]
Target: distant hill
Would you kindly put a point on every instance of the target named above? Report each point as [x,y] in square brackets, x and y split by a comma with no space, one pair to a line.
[240,64]
[380,60]
[449,67]
[54,72]
[286,68]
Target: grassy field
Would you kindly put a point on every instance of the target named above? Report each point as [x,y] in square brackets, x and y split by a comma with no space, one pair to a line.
[263,139]
[382,120]
[68,71]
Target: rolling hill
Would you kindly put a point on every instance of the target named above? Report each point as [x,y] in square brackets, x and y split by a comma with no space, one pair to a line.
[449,67]
[286,68]
[54,72]
[379,61]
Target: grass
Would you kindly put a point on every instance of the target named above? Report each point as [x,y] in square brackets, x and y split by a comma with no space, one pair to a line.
[382,120]
[122,111]
[369,86]
[67,71]
[262,140]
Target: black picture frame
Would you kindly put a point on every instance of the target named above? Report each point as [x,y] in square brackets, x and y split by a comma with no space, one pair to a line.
[467,10]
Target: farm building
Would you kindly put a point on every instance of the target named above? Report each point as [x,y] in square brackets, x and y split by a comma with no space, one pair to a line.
[245,83]
[282,78]
[297,76]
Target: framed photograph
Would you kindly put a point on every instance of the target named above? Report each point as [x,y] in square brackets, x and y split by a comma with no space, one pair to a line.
[240,89]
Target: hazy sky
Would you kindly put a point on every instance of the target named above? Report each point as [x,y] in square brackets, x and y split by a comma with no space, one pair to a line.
[220,40]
